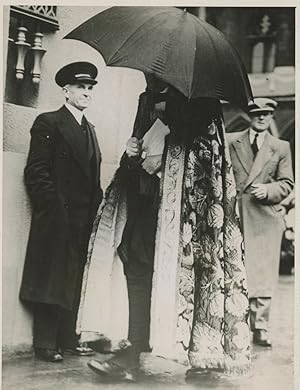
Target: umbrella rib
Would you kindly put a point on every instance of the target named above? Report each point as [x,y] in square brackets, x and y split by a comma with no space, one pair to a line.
[194,65]
[198,21]
[218,86]
[159,64]
[234,52]
[138,29]
[236,55]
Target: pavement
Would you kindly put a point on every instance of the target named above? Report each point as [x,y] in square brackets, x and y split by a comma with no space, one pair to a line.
[271,368]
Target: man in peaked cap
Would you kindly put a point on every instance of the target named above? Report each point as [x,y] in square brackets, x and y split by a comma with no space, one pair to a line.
[62,177]
[264,177]
[84,72]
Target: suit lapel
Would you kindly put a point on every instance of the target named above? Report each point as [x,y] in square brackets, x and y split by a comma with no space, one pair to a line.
[244,152]
[96,149]
[263,156]
[71,131]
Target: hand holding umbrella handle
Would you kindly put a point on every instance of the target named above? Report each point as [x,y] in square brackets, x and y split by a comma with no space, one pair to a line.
[134,150]
[134,147]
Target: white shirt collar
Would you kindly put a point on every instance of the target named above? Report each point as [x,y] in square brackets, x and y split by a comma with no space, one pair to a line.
[260,138]
[75,112]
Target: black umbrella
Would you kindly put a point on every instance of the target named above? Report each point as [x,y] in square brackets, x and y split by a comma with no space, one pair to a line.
[171,44]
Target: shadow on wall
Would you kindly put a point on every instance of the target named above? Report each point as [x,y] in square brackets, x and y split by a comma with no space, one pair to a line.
[17,322]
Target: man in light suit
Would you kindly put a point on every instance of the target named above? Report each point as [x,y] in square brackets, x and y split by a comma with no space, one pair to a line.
[264,177]
[62,178]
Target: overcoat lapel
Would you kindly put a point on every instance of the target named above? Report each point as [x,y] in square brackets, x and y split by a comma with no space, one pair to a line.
[71,131]
[244,152]
[263,156]
[96,149]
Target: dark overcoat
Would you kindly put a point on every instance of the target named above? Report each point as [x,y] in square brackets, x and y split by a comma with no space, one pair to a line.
[262,220]
[62,177]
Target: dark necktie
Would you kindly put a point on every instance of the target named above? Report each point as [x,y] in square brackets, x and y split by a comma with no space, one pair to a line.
[254,146]
[84,125]
[86,133]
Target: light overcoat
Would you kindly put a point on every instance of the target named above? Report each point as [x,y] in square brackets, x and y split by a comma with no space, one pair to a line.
[262,220]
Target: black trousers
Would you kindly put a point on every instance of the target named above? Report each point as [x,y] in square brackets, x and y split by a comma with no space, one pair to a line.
[137,254]
[139,295]
[139,286]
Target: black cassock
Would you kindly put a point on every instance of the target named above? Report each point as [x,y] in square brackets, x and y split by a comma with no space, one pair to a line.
[138,241]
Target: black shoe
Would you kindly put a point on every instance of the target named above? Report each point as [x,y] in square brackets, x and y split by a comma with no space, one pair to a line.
[48,355]
[106,346]
[81,350]
[111,370]
[260,337]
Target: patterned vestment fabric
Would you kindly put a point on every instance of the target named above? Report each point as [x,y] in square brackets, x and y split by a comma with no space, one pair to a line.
[199,306]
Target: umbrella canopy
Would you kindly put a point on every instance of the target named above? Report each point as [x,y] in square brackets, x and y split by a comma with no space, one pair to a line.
[175,46]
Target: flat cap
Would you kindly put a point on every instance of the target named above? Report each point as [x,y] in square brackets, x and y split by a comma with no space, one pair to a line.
[262,104]
[77,72]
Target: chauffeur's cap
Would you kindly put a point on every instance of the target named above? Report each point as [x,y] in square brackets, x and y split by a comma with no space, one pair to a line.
[77,72]
[262,105]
